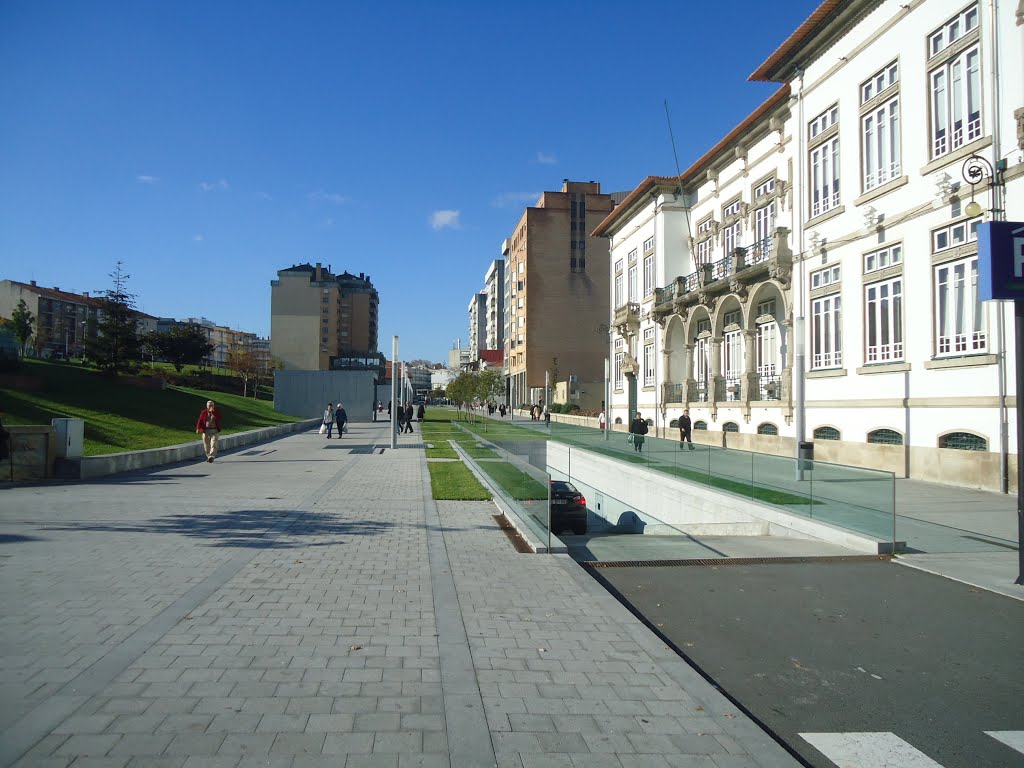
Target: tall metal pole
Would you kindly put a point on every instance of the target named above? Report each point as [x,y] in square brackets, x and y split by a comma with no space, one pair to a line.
[394,390]
[1018,317]
[607,403]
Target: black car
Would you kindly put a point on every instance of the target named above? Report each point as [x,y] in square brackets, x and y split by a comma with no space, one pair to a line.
[568,508]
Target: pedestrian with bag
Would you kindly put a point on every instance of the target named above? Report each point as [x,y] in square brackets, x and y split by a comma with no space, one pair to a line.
[602,423]
[342,418]
[637,430]
[685,430]
[208,425]
[328,424]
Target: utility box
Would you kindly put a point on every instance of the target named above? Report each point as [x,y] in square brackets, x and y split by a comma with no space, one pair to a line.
[70,435]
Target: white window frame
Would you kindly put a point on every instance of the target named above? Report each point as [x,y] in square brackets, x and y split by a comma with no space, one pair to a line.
[632,285]
[883,321]
[824,169]
[702,359]
[826,332]
[883,258]
[963,23]
[764,222]
[731,237]
[649,275]
[880,134]
[618,289]
[732,361]
[619,359]
[954,235]
[704,249]
[827,276]
[954,88]
[649,244]
[960,327]
[649,357]
[767,350]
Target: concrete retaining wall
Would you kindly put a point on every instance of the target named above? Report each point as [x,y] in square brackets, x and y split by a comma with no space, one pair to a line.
[115,463]
[692,508]
[307,393]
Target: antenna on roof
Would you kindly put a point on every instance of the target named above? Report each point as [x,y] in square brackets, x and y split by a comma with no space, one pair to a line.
[679,173]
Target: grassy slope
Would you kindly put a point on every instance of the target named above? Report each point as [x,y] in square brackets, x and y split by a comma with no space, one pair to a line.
[121,417]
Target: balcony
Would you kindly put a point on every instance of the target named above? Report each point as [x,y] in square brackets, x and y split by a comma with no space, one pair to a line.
[627,318]
[671,393]
[702,391]
[730,389]
[769,258]
[769,387]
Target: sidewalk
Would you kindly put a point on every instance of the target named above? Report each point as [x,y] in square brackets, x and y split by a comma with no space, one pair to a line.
[305,603]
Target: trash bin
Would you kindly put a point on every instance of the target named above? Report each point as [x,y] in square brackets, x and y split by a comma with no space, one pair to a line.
[805,455]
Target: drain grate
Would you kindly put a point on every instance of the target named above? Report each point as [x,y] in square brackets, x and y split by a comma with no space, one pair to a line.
[362,450]
[734,561]
[518,542]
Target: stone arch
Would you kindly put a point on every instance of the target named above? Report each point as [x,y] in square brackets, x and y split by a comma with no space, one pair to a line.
[729,303]
[769,289]
[964,440]
[698,314]
[675,341]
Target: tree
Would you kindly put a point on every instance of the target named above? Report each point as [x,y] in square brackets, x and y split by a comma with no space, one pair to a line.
[265,367]
[247,365]
[21,324]
[464,388]
[180,346]
[116,346]
[490,385]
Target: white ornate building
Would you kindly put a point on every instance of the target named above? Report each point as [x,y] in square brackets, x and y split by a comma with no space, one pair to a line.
[825,244]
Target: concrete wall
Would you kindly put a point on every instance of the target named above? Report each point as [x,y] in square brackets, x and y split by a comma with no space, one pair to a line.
[306,393]
[115,463]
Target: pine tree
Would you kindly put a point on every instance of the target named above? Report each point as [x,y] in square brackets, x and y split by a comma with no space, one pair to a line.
[116,346]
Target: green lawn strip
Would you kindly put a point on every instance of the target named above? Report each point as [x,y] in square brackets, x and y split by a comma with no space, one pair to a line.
[122,417]
[441,451]
[453,481]
[738,487]
[499,430]
[519,485]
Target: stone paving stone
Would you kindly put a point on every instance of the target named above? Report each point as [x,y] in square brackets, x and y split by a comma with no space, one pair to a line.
[316,637]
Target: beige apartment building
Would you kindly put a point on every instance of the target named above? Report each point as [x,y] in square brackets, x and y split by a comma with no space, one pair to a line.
[558,297]
[316,315]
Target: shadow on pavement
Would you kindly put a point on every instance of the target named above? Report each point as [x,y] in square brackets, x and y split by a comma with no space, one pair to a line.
[14,538]
[245,528]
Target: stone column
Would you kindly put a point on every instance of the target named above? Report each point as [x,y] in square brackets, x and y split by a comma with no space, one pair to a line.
[751,388]
[715,379]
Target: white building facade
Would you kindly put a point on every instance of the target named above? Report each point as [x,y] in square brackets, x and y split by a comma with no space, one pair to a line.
[826,244]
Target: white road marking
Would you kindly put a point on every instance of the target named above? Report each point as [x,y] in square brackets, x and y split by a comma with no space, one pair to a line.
[868,750]
[1012,739]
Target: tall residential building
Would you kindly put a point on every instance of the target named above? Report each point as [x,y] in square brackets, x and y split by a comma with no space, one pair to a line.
[558,290]
[494,287]
[316,316]
[477,323]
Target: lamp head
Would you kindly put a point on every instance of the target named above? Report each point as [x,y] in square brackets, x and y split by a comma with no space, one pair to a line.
[973,208]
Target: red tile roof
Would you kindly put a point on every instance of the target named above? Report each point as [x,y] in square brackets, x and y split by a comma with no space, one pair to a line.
[795,40]
[53,293]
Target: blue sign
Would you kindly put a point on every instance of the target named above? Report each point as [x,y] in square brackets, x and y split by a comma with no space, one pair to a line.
[1001,260]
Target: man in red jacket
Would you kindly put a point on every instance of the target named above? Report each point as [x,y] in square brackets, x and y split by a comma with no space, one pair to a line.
[209,426]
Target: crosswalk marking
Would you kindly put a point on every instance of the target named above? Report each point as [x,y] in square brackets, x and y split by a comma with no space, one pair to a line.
[1012,739]
[868,750]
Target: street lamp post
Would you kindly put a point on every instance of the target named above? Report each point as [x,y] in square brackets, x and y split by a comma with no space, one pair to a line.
[976,169]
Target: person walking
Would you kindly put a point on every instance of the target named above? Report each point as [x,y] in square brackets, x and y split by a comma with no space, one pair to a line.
[329,419]
[602,422]
[638,428]
[547,415]
[420,413]
[685,430]
[208,425]
[342,418]
[408,418]
[389,410]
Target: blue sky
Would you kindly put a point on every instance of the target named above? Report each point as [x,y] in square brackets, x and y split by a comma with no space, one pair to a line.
[207,145]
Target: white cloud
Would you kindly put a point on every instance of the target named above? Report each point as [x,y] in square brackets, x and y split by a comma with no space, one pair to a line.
[199,237]
[143,179]
[263,196]
[515,199]
[327,197]
[546,159]
[445,220]
[210,186]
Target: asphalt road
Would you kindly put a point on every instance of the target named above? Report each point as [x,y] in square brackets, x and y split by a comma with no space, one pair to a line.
[847,647]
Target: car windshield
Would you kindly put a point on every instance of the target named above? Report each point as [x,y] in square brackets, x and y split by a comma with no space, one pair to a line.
[560,486]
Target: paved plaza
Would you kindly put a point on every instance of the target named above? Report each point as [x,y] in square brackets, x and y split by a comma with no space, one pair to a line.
[306,603]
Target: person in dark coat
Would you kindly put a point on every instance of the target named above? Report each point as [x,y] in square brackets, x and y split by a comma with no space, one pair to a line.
[408,419]
[420,412]
[685,429]
[638,428]
[341,419]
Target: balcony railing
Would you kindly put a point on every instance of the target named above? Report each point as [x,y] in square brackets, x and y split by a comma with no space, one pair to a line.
[702,391]
[722,268]
[627,313]
[673,393]
[759,252]
[770,387]
[730,389]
